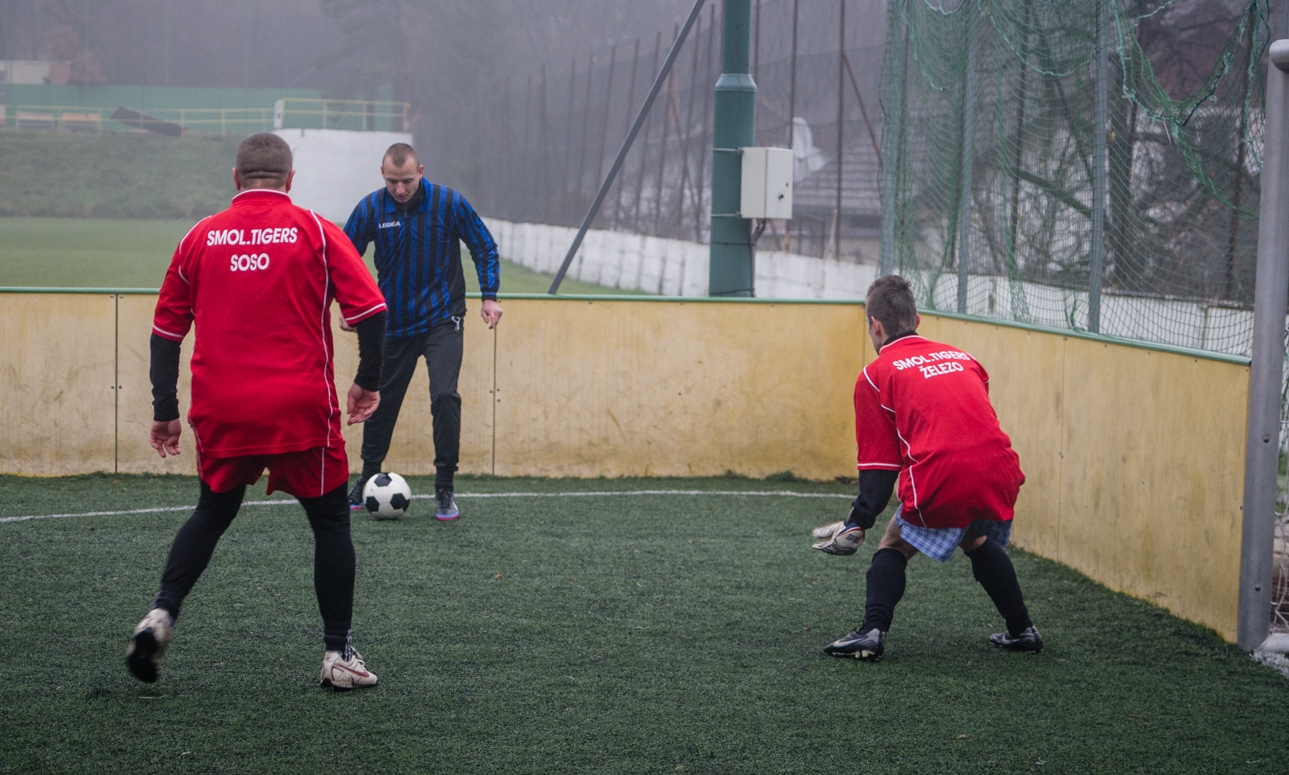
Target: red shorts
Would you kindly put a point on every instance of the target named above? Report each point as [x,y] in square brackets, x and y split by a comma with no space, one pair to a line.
[309,473]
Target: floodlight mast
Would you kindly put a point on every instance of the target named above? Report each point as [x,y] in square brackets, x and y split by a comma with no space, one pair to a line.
[1271,303]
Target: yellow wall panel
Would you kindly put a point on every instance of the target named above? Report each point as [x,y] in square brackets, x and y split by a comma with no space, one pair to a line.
[642,388]
[1153,476]
[57,398]
[134,453]
[1134,458]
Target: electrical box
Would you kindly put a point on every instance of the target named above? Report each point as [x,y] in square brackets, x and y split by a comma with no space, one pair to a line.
[767,183]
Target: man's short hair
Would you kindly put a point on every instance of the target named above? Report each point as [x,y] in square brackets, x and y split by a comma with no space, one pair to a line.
[264,161]
[890,300]
[398,154]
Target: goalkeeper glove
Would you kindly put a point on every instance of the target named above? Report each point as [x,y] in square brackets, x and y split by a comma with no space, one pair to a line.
[839,538]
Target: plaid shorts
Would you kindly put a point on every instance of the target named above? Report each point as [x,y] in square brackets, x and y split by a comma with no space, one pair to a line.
[939,543]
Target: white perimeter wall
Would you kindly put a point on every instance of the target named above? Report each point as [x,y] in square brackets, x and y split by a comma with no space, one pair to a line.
[677,268]
[334,169]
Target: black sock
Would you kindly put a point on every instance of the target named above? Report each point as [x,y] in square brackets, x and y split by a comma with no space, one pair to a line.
[336,636]
[370,469]
[333,565]
[993,569]
[195,543]
[885,588]
[443,478]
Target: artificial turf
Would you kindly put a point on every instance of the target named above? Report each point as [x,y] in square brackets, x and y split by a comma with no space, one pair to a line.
[616,634]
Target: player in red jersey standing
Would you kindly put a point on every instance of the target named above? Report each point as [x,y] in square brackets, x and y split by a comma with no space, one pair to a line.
[258,280]
[922,416]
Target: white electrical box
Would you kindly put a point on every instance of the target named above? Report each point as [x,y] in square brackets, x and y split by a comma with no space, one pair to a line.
[767,183]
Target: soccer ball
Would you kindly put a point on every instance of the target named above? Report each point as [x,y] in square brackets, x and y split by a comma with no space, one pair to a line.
[387,496]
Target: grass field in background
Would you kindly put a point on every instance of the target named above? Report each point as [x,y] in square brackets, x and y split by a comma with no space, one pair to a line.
[100,253]
[125,175]
[609,634]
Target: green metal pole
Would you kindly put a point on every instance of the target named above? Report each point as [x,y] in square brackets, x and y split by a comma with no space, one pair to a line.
[731,270]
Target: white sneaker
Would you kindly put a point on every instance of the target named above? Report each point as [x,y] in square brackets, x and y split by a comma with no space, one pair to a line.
[148,646]
[343,674]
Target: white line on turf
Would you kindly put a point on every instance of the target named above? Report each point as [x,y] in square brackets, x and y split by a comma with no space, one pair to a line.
[582,494]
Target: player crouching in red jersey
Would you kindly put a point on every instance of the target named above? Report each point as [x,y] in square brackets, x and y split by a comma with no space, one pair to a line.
[258,280]
[922,416]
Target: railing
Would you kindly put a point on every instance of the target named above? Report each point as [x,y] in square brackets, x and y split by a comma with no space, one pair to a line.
[353,115]
[288,113]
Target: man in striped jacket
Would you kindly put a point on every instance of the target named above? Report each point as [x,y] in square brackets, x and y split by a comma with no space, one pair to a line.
[418,228]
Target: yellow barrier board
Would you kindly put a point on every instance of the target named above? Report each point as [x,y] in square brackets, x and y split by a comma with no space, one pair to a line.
[1134,458]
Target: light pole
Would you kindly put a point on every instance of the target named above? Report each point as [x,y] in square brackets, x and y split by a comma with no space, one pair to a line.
[731,270]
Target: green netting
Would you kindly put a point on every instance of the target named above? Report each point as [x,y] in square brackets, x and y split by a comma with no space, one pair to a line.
[1013,87]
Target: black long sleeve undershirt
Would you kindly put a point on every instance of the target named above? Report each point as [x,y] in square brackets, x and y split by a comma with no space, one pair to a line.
[875,488]
[164,373]
[371,350]
[164,367]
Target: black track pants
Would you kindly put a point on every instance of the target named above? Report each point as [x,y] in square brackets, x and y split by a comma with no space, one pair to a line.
[442,348]
[333,554]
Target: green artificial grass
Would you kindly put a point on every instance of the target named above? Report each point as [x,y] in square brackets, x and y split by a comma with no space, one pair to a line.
[614,634]
[98,253]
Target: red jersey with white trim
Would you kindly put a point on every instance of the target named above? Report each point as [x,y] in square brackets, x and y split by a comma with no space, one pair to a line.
[258,280]
[923,409]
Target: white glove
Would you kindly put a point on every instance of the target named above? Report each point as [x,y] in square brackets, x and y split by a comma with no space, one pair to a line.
[839,539]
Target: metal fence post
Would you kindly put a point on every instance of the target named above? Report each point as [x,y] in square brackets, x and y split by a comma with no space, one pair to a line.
[967,157]
[1099,167]
[1271,299]
[892,126]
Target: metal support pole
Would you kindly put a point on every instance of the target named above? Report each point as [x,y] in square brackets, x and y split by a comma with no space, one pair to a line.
[841,125]
[967,156]
[1099,167]
[892,127]
[731,271]
[792,78]
[1271,301]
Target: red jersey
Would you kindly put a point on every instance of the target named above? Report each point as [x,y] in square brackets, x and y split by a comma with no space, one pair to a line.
[923,409]
[258,280]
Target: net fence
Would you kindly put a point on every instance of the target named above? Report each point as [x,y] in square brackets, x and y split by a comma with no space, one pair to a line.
[1085,164]
[1075,164]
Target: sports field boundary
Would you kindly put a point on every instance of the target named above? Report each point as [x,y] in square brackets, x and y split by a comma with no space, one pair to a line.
[572,494]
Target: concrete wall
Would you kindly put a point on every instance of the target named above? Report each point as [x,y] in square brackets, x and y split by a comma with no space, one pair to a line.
[1134,457]
[334,169]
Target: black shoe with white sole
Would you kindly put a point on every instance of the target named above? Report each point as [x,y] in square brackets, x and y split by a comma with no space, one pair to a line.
[1028,641]
[859,645]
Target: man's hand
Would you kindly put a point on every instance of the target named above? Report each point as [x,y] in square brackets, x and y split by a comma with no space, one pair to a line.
[838,538]
[344,326]
[490,311]
[164,437]
[361,403]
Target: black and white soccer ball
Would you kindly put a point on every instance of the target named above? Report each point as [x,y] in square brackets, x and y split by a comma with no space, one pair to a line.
[387,496]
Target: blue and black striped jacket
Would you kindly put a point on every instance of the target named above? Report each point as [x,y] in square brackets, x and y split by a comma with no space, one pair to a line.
[418,255]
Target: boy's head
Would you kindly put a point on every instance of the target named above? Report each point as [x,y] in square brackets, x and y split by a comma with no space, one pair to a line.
[891,309]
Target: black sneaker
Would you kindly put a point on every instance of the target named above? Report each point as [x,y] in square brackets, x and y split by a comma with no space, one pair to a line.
[1028,641]
[356,493]
[445,506]
[859,645]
